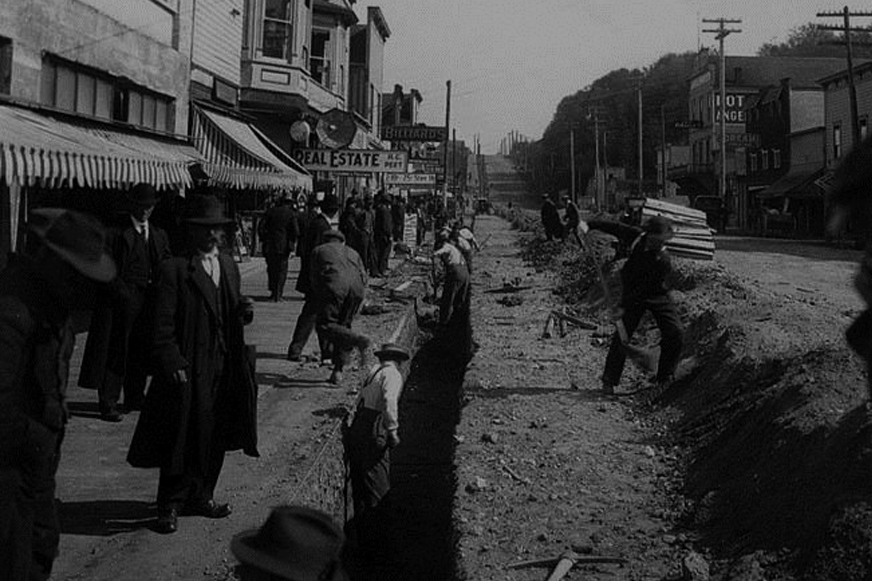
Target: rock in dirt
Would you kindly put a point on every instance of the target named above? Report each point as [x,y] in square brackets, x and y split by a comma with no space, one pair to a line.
[694,567]
[490,438]
[478,485]
[745,568]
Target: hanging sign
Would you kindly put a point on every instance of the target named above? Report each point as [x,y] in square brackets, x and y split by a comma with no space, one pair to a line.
[413,133]
[352,160]
[411,179]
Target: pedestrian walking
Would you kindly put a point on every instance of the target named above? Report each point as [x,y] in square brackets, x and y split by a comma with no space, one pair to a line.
[279,234]
[296,543]
[119,339]
[382,233]
[58,273]
[571,220]
[551,220]
[348,225]
[371,431]
[366,224]
[398,217]
[203,399]
[338,282]
[645,279]
[307,320]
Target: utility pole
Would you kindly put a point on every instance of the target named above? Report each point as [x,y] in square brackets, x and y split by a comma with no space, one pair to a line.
[445,145]
[663,150]
[572,158]
[597,176]
[639,101]
[846,30]
[721,32]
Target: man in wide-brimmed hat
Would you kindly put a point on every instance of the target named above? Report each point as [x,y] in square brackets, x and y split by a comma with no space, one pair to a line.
[370,435]
[296,543]
[202,401]
[279,234]
[645,282]
[116,352]
[62,266]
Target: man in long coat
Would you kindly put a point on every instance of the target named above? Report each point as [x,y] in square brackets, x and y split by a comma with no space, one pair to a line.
[203,399]
[280,234]
[338,281]
[382,233]
[38,291]
[119,338]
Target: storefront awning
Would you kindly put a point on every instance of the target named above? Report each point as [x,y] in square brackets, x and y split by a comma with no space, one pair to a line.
[41,148]
[237,155]
[796,183]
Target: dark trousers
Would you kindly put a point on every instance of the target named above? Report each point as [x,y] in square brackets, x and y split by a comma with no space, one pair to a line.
[334,324]
[383,253]
[29,527]
[306,323]
[671,338]
[276,274]
[127,356]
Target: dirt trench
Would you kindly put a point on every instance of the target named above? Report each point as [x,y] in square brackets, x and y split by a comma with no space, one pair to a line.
[768,423]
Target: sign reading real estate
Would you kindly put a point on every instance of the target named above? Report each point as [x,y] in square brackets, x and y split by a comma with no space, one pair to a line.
[352,160]
[410,179]
[413,133]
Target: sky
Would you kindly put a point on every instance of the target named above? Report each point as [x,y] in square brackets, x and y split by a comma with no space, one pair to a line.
[510,62]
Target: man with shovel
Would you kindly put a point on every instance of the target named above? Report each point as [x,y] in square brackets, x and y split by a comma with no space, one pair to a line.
[645,281]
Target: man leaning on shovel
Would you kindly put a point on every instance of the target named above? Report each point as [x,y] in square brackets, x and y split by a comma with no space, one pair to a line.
[644,278]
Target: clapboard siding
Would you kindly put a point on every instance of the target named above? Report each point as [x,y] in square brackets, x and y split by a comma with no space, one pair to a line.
[218,38]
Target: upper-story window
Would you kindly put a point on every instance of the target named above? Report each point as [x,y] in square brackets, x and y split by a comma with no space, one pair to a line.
[85,91]
[864,128]
[320,63]
[776,159]
[5,65]
[752,161]
[764,159]
[837,141]
[277,29]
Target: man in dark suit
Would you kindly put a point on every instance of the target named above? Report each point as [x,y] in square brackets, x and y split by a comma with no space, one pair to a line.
[115,357]
[382,233]
[203,400]
[317,226]
[280,235]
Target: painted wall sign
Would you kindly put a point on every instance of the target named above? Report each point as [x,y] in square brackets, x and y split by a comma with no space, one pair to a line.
[352,160]
[411,179]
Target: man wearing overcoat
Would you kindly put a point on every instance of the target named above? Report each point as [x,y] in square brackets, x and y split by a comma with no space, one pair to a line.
[203,399]
[280,235]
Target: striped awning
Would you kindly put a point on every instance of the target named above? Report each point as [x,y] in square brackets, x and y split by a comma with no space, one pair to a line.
[39,148]
[237,155]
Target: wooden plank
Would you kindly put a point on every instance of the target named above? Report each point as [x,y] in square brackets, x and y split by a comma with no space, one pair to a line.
[673,208]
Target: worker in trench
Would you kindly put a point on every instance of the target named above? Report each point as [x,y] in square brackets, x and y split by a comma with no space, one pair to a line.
[645,281]
[851,202]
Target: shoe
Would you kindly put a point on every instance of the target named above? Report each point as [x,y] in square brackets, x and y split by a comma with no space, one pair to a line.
[110,414]
[295,356]
[134,405]
[207,508]
[608,388]
[167,521]
[335,378]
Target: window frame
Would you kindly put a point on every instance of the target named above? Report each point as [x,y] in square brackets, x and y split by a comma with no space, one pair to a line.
[288,23]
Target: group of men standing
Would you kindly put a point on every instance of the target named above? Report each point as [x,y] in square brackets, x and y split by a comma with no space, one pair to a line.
[202,398]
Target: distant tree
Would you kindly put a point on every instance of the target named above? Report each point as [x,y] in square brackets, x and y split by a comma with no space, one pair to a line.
[809,40]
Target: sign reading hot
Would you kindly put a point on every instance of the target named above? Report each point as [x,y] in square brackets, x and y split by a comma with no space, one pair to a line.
[735,110]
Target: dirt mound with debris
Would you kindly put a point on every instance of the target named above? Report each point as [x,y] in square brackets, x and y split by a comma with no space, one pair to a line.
[762,446]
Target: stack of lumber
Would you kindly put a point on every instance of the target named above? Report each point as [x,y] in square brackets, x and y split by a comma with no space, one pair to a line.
[693,237]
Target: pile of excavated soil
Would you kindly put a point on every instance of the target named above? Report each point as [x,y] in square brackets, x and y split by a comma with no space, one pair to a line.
[759,456]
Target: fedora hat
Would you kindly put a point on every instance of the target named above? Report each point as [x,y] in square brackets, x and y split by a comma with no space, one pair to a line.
[206,211]
[330,204]
[78,239]
[296,543]
[392,351]
[659,225]
[142,194]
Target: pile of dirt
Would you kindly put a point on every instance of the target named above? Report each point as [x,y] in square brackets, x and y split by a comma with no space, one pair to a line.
[767,417]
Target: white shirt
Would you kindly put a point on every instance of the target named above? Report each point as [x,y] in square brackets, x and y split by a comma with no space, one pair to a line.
[449,254]
[382,392]
[141,227]
[211,265]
